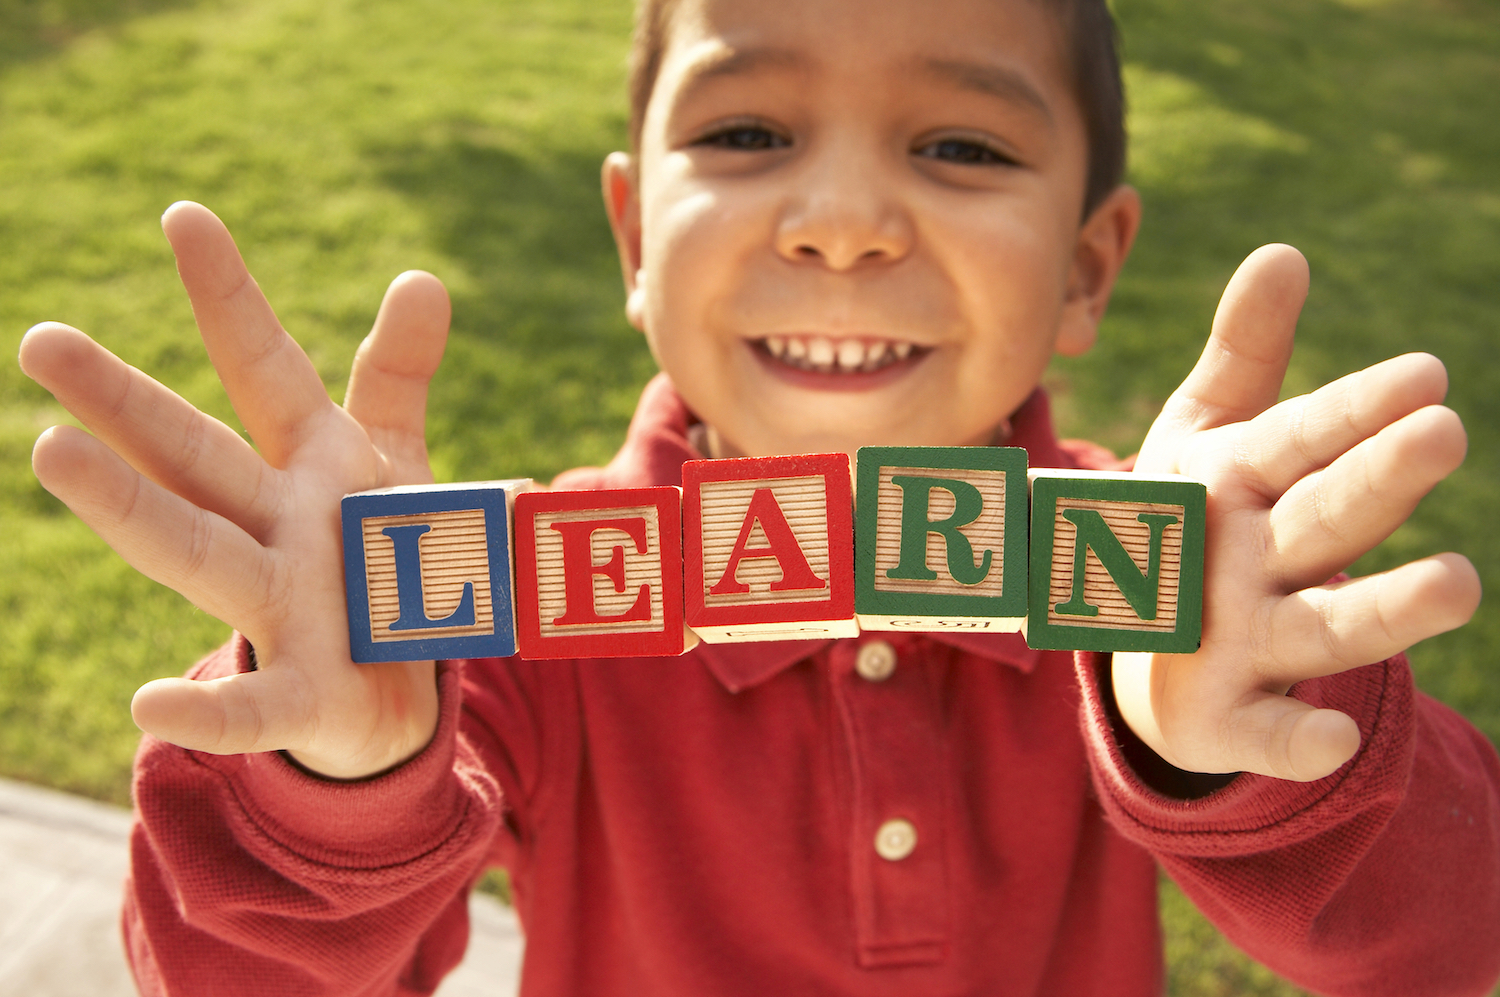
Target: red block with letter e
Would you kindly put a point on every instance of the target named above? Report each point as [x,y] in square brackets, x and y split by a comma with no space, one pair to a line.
[599,573]
[768,548]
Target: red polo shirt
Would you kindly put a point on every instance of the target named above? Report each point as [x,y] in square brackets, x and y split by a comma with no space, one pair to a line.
[801,818]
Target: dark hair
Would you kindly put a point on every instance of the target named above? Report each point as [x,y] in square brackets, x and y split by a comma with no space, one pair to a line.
[1092,50]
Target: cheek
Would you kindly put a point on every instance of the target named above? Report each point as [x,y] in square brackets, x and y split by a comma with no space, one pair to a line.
[1011,269]
[685,266]
[701,243]
[686,233]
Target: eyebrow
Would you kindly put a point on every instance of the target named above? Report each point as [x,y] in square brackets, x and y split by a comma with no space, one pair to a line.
[721,60]
[996,81]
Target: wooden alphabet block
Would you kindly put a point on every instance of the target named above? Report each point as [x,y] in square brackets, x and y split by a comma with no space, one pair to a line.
[599,573]
[427,571]
[940,538]
[1116,562]
[768,548]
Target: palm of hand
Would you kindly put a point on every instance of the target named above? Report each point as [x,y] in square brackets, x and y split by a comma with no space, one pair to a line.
[253,538]
[1297,491]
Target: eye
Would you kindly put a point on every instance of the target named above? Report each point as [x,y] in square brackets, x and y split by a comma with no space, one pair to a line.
[964,151]
[743,137]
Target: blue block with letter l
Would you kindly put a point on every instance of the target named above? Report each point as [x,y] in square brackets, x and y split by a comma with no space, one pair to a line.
[428,571]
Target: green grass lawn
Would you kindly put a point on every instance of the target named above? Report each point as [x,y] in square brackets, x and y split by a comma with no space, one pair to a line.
[346,141]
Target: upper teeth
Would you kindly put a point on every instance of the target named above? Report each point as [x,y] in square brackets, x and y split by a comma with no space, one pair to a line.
[824,355]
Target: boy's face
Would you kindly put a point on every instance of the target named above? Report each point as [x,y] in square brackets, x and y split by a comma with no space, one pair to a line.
[857,222]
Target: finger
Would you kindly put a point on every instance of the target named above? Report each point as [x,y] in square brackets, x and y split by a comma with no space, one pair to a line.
[1330,518]
[1306,433]
[203,556]
[388,383]
[1265,732]
[1332,628]
[253,711]
[273,386]
[1240,372]
[150,426]
[1285,738]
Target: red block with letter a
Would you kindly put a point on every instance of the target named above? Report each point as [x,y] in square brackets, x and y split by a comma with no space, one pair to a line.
[599,574]
[768,548]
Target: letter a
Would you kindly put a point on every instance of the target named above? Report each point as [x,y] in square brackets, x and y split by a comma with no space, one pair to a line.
[781,544]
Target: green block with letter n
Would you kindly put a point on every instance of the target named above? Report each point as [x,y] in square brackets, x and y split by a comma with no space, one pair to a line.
[940,538]
[1116,562]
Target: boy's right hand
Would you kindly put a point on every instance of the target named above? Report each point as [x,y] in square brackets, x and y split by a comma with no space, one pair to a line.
[254,538]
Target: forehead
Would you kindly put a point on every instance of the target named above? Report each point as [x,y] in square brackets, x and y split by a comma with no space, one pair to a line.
[1013,49]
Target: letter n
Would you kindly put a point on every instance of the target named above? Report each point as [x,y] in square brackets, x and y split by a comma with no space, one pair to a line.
[1140,588]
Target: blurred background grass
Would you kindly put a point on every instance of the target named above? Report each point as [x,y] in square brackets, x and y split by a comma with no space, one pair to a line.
[346,141]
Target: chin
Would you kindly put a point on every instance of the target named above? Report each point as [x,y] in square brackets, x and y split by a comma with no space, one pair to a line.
[805,432]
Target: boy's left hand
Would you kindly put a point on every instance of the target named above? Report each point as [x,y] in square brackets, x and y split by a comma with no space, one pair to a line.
[1297,491]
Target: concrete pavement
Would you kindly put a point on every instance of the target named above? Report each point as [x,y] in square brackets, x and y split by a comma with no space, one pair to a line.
[62,861]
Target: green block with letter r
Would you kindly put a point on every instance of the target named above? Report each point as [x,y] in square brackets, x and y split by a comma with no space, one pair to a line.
[940,540]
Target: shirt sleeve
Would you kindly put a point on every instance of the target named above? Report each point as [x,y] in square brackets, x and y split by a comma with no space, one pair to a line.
[1382,878]
[252,876]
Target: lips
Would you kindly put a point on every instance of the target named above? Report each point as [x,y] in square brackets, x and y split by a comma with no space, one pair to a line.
[845,355]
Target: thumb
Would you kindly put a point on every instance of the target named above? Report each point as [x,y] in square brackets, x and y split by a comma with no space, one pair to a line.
[388,383]
[1243,363]
[237,714]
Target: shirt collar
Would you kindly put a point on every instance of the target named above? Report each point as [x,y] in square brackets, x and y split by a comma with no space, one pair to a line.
[653,454]
[740,666]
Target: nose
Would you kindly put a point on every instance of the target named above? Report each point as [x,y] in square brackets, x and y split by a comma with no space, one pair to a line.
[843,211]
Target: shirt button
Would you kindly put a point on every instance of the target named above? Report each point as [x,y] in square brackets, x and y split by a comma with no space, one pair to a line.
[895,840]
[876,661]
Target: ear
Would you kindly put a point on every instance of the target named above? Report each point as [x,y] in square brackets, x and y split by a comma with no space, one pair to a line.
[622,202]
[1104,241]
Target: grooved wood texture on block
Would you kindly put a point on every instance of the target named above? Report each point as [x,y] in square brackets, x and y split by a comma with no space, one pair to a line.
[454,552]
[1139,543]
[641,568]
[599,573]
[725,504]
[985,533]
[1099,588]
[940,538]
[768,548]
[427,571]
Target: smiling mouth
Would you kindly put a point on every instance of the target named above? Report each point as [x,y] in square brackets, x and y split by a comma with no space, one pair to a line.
[822,355]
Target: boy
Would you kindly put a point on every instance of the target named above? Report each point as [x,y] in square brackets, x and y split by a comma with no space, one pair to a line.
[842,224]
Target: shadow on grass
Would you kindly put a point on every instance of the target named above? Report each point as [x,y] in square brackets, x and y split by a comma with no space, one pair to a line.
[1356,131]
[34,29]
[542,371]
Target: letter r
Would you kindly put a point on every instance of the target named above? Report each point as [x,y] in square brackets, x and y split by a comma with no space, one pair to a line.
[916,498]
